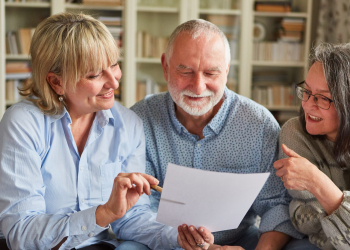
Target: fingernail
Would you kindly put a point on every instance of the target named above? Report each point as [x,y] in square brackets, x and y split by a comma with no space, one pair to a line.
[201,230]
[184,226]
[191,228]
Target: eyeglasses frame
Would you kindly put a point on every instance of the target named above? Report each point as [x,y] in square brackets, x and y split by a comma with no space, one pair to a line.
[298,86]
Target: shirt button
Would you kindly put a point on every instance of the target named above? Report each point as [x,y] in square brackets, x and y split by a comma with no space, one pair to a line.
[81,168]
[91,234]
[198,144]
[82,200]
[83,228]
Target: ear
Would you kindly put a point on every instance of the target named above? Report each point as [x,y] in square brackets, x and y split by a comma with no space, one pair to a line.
[228,68]
[55,83]
[165,67]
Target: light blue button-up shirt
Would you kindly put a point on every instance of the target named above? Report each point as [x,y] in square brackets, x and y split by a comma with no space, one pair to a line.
[241,138]
[48,191]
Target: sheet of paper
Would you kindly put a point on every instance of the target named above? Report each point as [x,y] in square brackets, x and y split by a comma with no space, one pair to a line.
[217,201]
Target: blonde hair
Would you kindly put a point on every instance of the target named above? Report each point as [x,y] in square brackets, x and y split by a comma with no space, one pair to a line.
[70,46]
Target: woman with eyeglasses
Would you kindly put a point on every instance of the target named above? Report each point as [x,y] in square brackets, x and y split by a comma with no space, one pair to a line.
[314,150]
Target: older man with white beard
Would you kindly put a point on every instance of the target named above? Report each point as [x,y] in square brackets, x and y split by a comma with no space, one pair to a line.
[201,124]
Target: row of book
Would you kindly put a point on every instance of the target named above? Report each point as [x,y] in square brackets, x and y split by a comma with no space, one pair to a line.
[275,95]
[18,42]
[149,46]
[291,30]
[273,6]
[278,51]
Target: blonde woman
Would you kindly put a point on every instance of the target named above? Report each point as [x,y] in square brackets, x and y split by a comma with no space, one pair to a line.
[72,159]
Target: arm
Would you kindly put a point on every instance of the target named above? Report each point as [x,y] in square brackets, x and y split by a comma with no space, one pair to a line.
[273,200]
[139,223]
[272,240]
[23,218]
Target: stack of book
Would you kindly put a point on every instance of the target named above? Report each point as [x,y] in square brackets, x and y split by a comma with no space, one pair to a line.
[273,6]
[17,75]
[149,46]
[18,42]
[114,25]
[292,29]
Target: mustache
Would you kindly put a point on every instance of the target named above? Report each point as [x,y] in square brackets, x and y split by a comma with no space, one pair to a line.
[206,93]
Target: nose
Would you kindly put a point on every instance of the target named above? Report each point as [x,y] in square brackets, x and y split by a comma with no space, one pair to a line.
[113,75]
[198,85]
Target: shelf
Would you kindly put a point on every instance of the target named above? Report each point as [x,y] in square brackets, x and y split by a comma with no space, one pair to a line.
[234,63]
[94,7]
[17,57]
[18,76]
[278,64]
[147,60]
[280,14]
[157,9]
[283,108]
[28,4]
[219,12]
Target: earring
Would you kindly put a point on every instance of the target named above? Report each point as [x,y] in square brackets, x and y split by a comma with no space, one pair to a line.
[60,98]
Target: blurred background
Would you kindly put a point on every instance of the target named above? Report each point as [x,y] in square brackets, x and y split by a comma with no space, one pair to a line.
[270,42]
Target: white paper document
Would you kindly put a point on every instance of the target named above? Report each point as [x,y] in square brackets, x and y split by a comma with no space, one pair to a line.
[217,201]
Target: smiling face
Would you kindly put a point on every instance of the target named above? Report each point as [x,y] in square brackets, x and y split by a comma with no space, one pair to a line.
[93,92]
[196,73]
[319,121]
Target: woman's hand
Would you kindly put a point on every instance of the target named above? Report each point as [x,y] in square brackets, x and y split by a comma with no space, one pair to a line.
[299,174]
[190,238]
[127,189]
[296,172]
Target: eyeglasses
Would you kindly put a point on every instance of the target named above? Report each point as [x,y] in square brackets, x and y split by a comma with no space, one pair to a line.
[320,100]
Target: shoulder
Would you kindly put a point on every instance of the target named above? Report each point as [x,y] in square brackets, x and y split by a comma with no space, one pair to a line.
[249,111]
[125,115]
[292,129]
[23,112]
[152,106]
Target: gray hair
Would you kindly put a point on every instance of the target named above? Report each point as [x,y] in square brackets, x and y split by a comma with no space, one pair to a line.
[196,28]
[335,60]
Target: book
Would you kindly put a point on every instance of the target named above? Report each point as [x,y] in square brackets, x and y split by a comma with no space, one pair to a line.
[103,2]
[24,38]
[17,67]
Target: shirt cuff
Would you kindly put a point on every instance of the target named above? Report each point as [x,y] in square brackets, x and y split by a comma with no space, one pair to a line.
[169,238]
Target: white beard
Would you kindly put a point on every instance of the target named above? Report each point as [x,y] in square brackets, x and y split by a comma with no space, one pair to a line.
[195,108]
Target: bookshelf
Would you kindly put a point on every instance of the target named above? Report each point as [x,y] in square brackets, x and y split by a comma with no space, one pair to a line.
[155,20]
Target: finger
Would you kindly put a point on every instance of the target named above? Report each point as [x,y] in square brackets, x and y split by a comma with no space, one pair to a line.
[188,236]
[289,152]
[206,234]
[184,243]
[152,180]
[137,180]
[279,163]
[196,236]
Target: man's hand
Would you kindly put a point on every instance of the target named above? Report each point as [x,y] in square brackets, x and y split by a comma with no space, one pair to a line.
[127,189]
[189,237]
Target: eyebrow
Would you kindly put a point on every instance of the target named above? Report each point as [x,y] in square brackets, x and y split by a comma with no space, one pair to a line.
[321,91]
[181,66]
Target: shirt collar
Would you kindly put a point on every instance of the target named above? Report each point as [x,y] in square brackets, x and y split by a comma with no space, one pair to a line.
[103,117]
[216,124]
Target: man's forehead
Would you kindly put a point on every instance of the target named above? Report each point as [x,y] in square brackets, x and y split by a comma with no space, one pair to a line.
[210,68]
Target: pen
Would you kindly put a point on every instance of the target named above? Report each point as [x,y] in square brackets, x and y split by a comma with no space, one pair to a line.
[157,188]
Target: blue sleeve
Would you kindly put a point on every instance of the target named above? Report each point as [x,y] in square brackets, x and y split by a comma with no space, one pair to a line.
[272,203]
[23,220]
[139,223]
